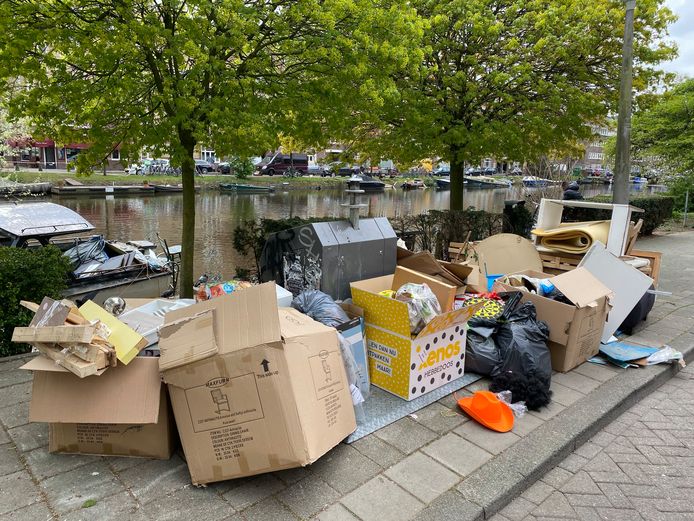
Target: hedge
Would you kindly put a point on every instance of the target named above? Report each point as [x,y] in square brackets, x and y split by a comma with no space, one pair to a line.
[27,275]
[657,210]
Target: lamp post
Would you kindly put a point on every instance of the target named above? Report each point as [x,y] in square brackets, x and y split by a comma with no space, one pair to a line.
[623,154]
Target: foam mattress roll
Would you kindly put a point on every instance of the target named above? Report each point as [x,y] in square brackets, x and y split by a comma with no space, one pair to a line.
[574,238]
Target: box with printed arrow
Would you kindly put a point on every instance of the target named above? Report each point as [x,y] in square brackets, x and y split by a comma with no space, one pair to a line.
[254,388]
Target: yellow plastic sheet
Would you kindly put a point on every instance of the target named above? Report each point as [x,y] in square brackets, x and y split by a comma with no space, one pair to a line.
[574,237]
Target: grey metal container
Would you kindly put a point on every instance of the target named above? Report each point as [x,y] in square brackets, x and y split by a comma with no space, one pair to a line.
[329,255]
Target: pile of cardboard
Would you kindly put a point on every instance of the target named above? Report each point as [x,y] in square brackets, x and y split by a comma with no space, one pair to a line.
[86,341]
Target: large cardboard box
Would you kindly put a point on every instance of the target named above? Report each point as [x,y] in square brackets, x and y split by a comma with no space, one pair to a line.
[405,366]
[574,330]
[123,412]
[254,388]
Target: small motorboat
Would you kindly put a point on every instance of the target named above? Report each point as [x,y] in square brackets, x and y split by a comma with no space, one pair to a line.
[413,184]
[638,180]
[245,189]
[368,183]
[533,181]
[487,182]
[170,189]
[443,184]
[100,268]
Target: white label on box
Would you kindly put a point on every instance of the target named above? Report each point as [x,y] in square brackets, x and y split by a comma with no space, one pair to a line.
[384,369]
[224,401]
[325,369]
[376,355]
[375,346]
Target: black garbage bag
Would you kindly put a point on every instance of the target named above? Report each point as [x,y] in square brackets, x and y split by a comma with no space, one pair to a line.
[525,366]
[320,307]
[481,352]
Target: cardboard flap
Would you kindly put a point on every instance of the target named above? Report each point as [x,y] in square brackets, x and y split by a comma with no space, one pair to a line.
[187,340]
[245,318]
[506,253]
[123,394]
[295,324]
[580,286]
[425,262]
[42,363]
[459,316]
[445,293]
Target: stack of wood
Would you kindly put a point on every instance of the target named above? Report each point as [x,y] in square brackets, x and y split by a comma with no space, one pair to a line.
[60,332]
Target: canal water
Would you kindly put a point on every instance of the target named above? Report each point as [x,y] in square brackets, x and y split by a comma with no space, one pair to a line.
[217,214]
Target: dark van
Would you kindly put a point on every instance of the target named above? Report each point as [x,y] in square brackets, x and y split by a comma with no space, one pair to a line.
[286,163]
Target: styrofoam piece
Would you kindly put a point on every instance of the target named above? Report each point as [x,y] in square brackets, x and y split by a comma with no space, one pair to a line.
[627,284]
[284,297]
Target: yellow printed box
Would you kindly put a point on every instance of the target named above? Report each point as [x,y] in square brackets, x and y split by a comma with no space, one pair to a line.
[405,366]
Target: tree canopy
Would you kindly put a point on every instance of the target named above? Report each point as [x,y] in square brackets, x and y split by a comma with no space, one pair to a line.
[517,79]
[233,74]
[665,132]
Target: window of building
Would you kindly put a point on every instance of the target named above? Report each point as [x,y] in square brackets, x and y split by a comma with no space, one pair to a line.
[487,163]
[115,154]
[596,155]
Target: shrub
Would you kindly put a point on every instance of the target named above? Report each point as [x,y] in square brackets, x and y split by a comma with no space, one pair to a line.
[657,210]
[27,275]
[242,168]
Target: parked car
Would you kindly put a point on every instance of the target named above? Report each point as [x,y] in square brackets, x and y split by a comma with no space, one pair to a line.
[296,164]
[224,168]
[203,167]
[442,171]
[317,170]
[341,169]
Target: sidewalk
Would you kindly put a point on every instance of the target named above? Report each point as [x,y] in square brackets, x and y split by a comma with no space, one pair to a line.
[439,465]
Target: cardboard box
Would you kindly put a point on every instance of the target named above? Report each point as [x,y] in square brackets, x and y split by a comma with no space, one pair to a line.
[124,412]
[254,388]
[353,331]
[574,331]
[398,363]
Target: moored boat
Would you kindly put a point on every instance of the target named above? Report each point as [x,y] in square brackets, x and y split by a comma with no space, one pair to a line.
[368,183]
[101,268]
[487,182]
[413,184]
[443,184]
[245,189]
[533,181]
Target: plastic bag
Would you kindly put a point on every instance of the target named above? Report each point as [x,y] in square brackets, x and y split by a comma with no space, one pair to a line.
[665,355]
[519,409]
[320,307]
[522,343]
[481,353]
[422,304]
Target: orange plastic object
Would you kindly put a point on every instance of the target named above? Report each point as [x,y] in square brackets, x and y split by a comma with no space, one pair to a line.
[485,408]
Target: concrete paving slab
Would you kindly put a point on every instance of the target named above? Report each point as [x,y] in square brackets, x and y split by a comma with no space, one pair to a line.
[114,508]
[422,477]
[194,503]
[344,468]
[440,419]
[308,497]
[44,464]
[17,490]
[268,510]
[249,491]
[9,460]
[336,512]
[15,415]
[382,500]
[492,442]
[36,512]
[378,451]
[30,436]
[155,478]
[458,454]
[406,435]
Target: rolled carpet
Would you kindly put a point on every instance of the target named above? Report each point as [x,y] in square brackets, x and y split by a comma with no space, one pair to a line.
[574,237]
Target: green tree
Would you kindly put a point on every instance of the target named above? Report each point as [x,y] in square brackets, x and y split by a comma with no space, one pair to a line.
[10,131]
[170,74]
[664,134]
[517,78]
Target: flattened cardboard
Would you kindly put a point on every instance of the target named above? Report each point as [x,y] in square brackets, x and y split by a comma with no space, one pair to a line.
[124,412]
[574,330]
[580,287]
[424,262]
[506,253]
[445,293]
[274,396]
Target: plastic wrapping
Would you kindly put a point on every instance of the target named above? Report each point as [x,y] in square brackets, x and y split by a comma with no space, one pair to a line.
[209,291]
[320,307]
[91,249]
[519,409]
[665,355]
[422,304]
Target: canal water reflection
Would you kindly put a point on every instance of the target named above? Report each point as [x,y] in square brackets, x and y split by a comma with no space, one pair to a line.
[217,214]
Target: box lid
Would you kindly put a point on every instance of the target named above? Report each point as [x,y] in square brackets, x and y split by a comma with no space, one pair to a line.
[123,394]
[441,322]
[580,286]
[295,324]
[245,318]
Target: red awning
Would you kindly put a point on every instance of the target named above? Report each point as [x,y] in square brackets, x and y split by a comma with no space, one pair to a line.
[46,143]
[78,146]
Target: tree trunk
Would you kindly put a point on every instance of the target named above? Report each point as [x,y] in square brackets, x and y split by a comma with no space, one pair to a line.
[185,279]
[457,181]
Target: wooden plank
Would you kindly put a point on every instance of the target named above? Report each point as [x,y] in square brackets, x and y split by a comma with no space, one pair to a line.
[54,334]
[73,317]
[50,313]
[69,361]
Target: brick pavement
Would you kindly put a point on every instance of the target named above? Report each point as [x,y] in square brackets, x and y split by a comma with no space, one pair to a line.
[639,467]
[416,467]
